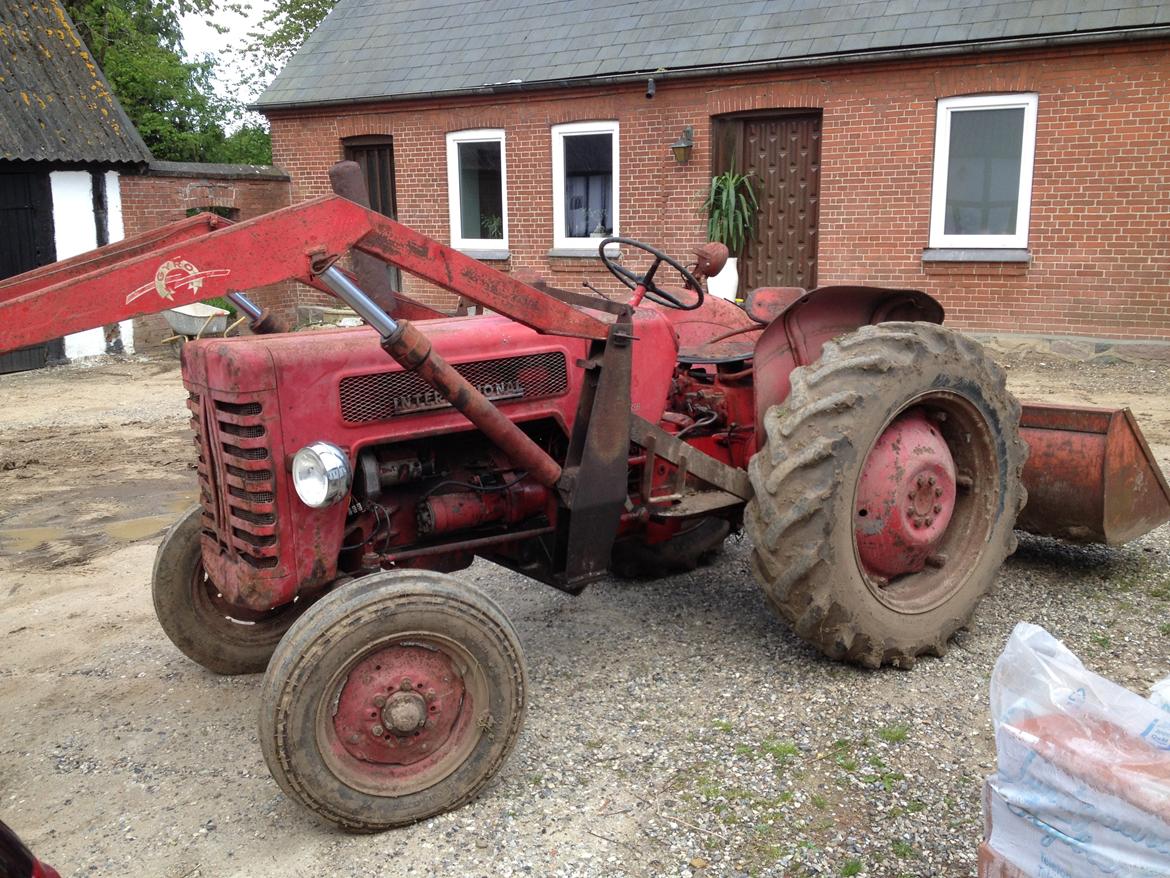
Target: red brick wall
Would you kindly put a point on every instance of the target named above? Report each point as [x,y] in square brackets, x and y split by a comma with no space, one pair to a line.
[1100,230]
[154,199]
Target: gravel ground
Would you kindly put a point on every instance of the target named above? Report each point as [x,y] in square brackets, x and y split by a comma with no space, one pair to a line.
[676,727]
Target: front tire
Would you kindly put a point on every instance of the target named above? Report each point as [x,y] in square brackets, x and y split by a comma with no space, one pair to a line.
[206,628]
[393,699]
[804,519]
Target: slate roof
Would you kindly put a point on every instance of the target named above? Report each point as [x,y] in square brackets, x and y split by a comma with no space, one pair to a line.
[55,104]
[370,49]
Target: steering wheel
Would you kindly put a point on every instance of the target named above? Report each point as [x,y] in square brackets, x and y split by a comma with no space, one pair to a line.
[653,292]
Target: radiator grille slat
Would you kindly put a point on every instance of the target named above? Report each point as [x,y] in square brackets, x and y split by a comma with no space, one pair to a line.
[384,395]
[251,530]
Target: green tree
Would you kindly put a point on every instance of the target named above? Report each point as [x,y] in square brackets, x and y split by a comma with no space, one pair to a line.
[283,29]
[138,44]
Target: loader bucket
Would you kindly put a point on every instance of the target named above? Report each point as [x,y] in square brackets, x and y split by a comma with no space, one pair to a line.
[1090,476]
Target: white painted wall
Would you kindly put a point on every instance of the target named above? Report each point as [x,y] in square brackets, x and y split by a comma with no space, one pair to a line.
[74,232]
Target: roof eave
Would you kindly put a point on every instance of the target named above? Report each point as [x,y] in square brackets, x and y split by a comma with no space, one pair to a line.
[870,55]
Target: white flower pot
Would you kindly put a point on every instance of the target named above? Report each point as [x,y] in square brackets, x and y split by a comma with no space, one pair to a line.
[725,284]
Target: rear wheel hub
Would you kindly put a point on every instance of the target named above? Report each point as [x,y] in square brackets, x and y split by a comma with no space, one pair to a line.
[905,498]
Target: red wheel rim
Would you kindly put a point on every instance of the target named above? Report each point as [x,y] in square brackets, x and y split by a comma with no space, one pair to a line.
[905,498]
[402,715]
[926,501]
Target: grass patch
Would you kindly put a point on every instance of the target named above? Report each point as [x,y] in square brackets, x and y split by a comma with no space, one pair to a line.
[851,867]
[1102,640]
[781,751]
[894,734]
[902,849]
[723,725]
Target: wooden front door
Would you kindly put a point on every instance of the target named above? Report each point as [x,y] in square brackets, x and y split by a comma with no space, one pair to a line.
[783,154]
[26,217]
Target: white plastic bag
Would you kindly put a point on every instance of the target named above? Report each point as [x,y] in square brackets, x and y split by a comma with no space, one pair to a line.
[1160,694]
[1083,780]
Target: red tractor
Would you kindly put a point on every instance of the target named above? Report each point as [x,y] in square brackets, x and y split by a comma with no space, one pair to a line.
[874,457]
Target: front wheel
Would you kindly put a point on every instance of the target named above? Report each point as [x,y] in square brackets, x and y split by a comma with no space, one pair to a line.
[394,698]
[886,492]
[205,626]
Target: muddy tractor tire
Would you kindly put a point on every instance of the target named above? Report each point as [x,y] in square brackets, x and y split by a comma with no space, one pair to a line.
[394,698]
[886,492]
[207,629]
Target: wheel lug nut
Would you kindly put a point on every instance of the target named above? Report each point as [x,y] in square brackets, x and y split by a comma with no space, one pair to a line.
[379,701]
[405,686]
[929,521]
[937,508]
[431,695]
[911,495]
[938,492]
[931,480]
[377,731]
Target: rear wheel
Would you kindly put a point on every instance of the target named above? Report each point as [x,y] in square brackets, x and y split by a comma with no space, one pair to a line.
[394,698]
[206,627]
[886,492]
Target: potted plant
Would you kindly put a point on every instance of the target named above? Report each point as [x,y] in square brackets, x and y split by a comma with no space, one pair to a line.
[731,209]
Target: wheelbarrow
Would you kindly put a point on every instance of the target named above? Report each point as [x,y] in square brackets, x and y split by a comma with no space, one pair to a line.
[197,320]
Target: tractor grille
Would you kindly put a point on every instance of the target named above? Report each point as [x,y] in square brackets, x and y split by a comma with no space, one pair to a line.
[384,395]
[237,487]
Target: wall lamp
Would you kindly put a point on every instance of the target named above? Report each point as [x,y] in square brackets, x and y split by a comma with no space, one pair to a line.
[683,146]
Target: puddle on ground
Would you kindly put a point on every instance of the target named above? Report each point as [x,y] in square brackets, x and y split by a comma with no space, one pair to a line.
[124,530]
[25,539]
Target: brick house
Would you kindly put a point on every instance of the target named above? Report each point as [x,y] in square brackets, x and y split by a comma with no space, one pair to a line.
[1011,158]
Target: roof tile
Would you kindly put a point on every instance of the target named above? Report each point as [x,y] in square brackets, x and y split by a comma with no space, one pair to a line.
[556,39]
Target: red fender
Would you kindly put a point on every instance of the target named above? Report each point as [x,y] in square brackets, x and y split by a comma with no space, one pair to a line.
[797,334]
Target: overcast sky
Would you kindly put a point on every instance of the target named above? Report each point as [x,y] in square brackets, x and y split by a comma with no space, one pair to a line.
[199,39]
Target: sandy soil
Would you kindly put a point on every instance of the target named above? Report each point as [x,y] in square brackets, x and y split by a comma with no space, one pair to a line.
[119,756]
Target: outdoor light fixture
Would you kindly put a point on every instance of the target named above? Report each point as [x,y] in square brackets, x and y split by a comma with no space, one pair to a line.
[683,146]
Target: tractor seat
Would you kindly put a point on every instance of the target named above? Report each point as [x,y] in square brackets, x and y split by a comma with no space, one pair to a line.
[705,334]
[765,304]
[709,334]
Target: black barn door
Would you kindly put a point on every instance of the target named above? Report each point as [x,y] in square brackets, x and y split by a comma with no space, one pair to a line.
[26,218]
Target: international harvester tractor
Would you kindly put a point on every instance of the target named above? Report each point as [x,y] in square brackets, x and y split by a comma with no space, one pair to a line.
[874,458]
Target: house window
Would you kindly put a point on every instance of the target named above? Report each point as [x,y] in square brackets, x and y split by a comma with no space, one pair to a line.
[477,184]
[585,184]
[983,155]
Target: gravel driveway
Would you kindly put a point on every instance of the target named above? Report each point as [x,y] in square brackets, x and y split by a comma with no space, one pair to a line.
[676,727]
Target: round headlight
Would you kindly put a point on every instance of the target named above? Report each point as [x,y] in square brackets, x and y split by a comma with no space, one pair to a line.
[320,474]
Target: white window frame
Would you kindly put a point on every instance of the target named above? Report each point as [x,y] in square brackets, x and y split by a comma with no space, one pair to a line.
[454,197]
[561,241]
[942,143]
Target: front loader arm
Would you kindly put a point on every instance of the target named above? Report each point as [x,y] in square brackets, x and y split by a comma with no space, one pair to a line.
[204,257]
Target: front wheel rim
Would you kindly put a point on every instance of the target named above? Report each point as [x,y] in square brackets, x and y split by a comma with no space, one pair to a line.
[403,714]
